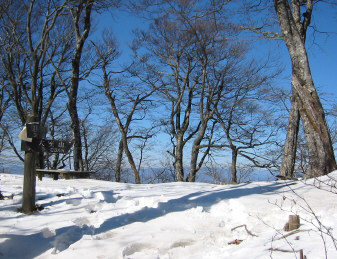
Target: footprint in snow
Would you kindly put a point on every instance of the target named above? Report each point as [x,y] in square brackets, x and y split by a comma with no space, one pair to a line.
[106,196]
[136,247]
[74,201]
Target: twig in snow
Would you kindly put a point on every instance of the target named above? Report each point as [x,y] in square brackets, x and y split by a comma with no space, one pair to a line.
[282,250]
[244,225]
[291,233]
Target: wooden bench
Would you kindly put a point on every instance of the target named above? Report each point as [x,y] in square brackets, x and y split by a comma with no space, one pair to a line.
[67,174]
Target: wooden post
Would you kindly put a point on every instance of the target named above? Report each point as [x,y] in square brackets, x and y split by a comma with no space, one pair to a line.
[39,176]
[29,179]
[55,176]
[301,254]
[293,223]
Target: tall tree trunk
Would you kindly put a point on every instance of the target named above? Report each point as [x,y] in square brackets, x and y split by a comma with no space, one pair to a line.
[195,167]
[321,155]
[130,159]
[29,179]
[72,103]
[233,167]
[86,147]
[178,163]
[75,127]
[290,147]
[194,159]
[119,162]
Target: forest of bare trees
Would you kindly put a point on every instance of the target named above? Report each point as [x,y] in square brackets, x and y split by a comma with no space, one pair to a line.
[188,99]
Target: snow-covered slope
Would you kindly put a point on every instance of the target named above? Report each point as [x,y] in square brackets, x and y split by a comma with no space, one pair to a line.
[96,219]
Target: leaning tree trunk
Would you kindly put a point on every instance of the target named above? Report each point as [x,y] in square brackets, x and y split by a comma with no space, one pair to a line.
[321,155]
[130,159]
[123,130]
[290,147]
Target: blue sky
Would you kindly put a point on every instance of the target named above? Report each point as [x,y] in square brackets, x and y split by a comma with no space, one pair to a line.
[321,46]
[323,55]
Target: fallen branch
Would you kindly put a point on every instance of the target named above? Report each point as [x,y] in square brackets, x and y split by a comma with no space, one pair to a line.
[291,233]
[245,226]
[283,250]
[288,251]
[235,242]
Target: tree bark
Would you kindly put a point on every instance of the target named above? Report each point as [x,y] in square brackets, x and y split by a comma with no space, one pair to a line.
[75,127]
[130,159]
[119,162]
[29,179]
[195,166]
[321,155]
[178,163]
[194,157]
[29,183]
[290,147]
[233,167]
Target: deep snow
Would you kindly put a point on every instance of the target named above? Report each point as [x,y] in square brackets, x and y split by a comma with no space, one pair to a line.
[95,219]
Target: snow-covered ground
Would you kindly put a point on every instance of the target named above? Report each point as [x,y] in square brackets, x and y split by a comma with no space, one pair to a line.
[96,219]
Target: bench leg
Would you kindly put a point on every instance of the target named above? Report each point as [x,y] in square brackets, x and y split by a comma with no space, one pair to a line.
[39,176]
[55,176]
[66,176]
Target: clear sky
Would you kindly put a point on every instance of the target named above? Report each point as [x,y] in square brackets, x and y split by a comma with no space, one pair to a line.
[322,49]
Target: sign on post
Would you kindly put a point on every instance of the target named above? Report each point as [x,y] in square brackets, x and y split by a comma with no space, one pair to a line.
[32,146]
[35,130]
[56,146]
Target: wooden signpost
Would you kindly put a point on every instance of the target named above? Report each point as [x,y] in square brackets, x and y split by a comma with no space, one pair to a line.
[29,179]
[33,141]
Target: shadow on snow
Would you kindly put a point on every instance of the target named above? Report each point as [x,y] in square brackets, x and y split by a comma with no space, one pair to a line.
[30,246]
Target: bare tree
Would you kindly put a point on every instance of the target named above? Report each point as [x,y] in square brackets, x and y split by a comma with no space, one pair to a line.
[4,104]
[81,14]
[294,19]
[128,101]
[185,50]
[248,119]
[294,26]
[31,43]
[99,146]
[172,64]
[27,51]
[190,53]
